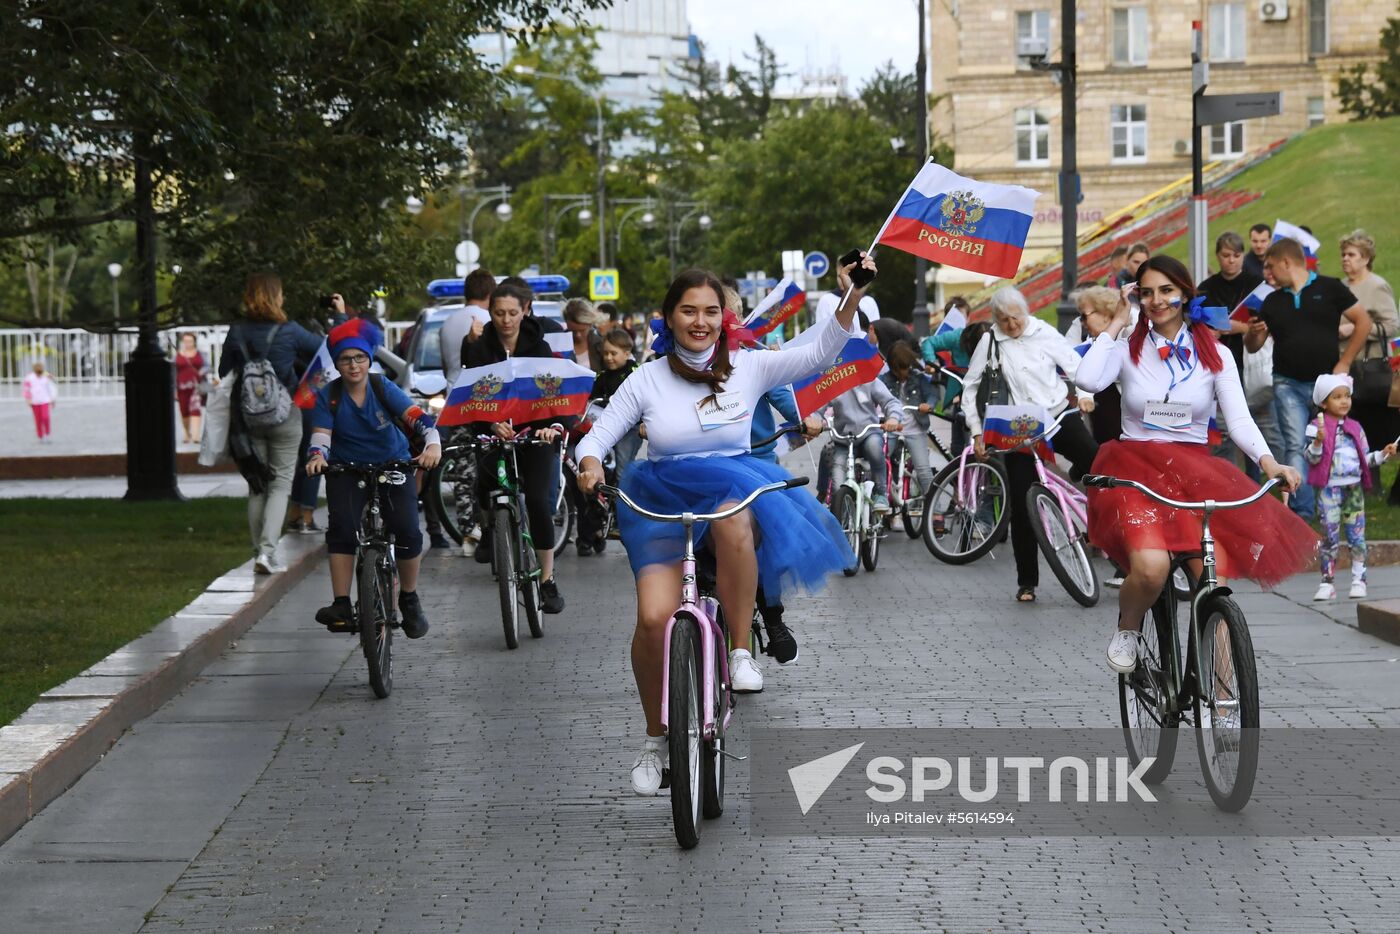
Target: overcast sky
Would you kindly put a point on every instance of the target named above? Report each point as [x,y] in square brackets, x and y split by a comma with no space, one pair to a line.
[856,36]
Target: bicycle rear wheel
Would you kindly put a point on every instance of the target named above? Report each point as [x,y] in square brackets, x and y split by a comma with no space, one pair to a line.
[870,546]
[503,555]
[1227,737]
[713,804]
[565,511]
[911,506]
[1148,729]
[450,493]
[529,564]
[848,515]
[961,528]
[1063,546]
[375,580]
[683,731]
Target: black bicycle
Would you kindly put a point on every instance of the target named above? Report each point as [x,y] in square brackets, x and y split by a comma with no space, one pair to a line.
[376,573]
[1217,684]
[513,559]
[450,488]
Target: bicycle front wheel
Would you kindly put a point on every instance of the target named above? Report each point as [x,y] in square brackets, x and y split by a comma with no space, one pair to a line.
[713,779]
[848,514]
[450,492]
[684,730]
[375,580]
[966,511]
[870,546]
[1063,546]
[1149,729]
[1227,731]
[911,506]
[503,555]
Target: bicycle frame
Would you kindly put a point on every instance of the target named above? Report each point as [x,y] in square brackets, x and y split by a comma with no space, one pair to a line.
[855,479]
[1074,505]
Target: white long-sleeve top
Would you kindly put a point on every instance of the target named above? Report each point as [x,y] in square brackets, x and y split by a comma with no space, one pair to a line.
[666,404]
[39,390]
[1148,380]
[1028,365]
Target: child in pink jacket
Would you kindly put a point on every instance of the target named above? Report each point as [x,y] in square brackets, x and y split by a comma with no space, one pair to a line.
[40,392]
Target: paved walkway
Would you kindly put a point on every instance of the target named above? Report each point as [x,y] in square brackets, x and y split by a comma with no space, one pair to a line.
[80,426]
[490,792]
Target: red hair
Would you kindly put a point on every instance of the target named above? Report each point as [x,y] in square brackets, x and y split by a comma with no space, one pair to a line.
[1207,344]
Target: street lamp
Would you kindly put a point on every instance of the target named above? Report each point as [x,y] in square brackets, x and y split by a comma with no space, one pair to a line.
[114,270]
[640,205]
[552,218]
[413,204]
[495,193]
[704,222]
[601,184]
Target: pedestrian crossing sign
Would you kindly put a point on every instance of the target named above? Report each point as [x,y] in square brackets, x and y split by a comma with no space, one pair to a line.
[603,285]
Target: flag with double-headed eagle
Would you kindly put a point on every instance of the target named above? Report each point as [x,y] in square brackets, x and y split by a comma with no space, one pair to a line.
[783,301]
[320,372]
[1006,426]
[521,389]
[957,221]
[858,363]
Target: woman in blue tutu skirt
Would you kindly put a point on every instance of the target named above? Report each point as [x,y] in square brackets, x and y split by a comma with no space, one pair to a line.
[696,402]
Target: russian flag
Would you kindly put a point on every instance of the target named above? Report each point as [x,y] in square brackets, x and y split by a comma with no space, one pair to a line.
[954,320]
[562,345]
[1311,245]
[859,362]
[1395,353]
[1006,426]
[320,372]
[784,300]
[957,221]
[526,389]
[1252,303]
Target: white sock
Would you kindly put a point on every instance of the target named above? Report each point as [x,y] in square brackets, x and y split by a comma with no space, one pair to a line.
[655,742]
[1358,570]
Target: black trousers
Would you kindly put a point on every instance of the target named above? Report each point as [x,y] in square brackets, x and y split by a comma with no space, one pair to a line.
[1075,443]
[539,471]
[345,503]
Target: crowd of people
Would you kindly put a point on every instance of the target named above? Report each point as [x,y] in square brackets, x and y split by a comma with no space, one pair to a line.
[1153,383]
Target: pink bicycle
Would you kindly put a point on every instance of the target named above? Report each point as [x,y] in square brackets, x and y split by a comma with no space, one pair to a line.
[696,702]
[1060,518]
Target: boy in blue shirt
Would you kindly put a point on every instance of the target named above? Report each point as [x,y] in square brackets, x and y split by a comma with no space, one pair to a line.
[357,419]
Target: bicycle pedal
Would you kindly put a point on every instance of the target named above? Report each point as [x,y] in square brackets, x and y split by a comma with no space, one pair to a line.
[666,778]
[729,755]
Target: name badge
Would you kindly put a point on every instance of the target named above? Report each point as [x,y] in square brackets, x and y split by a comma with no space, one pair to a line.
[725,408]
[1167,416]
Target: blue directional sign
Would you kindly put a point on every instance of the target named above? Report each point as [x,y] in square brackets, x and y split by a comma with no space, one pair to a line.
[816,264]
[747,287]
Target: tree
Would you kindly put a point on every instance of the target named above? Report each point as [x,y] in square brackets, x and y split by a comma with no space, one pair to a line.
[279,134]
[1365,97]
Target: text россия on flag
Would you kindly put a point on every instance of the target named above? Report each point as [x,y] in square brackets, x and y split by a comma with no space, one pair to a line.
[957,221]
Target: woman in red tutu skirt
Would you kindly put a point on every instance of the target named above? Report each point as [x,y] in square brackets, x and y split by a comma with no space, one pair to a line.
[1171,372]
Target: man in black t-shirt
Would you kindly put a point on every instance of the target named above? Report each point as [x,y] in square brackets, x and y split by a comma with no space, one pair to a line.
[1260,236]
[1302,315]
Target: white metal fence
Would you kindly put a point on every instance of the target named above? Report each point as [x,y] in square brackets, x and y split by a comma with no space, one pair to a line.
[89,366]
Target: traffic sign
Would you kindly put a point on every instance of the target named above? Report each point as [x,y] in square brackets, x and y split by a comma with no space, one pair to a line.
[816,264]
[1227,108]
[747,287]
[603,285]
[467,252]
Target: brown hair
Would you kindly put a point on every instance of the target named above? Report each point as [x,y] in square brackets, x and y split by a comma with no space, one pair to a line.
[1207,345]
[262,298]
[619,338]
[1139,247]
[902,356]
[721,366]
[1364,243]
[1286,248]
[478,285]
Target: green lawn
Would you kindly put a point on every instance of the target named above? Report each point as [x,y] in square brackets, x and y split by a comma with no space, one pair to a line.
[1332,179]
[84,577]
[1383,519]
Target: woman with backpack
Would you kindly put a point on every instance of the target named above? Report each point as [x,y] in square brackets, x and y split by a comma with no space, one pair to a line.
[265,350]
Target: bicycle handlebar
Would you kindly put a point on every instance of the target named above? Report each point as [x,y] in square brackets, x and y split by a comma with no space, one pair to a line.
[1103,481]
[402,466]
[878,426]
[789,430]
[613,492]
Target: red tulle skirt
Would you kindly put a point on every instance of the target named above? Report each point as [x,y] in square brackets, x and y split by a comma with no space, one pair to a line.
[1264,542]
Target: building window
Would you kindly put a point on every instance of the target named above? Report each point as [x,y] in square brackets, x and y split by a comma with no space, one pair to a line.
[1227,140]
[1128,124]
[1130,35]
[1032,137]
[1317,111]
[1317,27]
[1227,32]
[1031,24]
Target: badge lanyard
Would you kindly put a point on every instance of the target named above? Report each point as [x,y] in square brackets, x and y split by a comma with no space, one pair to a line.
[1175,346]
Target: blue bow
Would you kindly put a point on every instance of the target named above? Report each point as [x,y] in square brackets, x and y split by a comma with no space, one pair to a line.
[664,341]
[1212,317]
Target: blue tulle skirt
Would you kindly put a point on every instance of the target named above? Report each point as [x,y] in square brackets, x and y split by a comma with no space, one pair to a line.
[799,541]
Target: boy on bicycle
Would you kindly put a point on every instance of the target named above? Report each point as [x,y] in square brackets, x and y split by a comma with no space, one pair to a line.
[370,420]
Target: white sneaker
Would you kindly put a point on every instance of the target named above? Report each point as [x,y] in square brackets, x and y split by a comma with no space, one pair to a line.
[646,771]
[1114,582]
[745,677]
[1123,651]
[1358,590]
[1326,591]
[262,565]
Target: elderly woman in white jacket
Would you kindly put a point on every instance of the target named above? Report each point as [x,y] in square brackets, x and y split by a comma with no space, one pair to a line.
[1035,362]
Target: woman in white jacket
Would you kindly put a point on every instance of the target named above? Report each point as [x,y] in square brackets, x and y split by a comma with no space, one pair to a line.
[1034,360]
